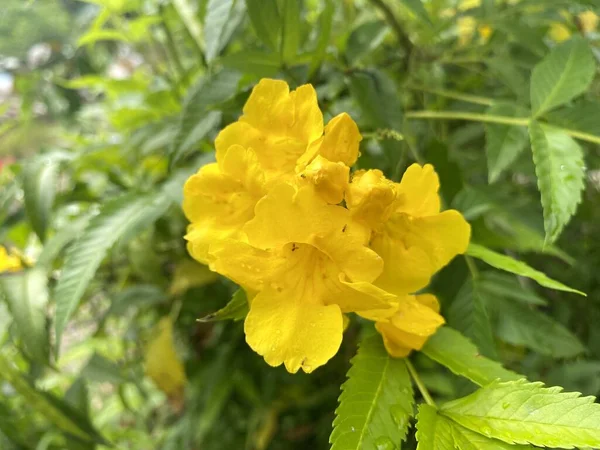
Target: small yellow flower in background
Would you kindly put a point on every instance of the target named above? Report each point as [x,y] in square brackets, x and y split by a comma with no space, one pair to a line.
[163,365]
[270,215]
[9,262]
[588,21]
[559,32]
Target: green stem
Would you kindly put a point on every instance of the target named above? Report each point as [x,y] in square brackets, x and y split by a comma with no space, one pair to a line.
[453,94]
[395,25]
[422,389]
[472,267]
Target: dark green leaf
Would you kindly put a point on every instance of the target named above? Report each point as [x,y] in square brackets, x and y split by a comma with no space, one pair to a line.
[376,402]
[582,116]
[434,432]
[494,285]
[222,17]
[39,188]
[365,38]
[253,62]
[290,31]
[102,370]
[451,349]
[265,20]
[561,175]
[325,27]
[417,7]
[236,309]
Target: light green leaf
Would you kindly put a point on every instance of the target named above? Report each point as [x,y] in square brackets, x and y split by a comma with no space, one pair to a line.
[521,325]
[102,370]
[55,244]
[504,143]
[417,7]
[95,35]
[494,285]
[562,75]
[561,176]
[236,309]
[258,63]
[434,432]
[27,296]
[376,402]
[221,20]
[582,116]
[465,439]
[117,218]
[468,314]
[265,20]
[207,122]
[39,188]
[188,17]
[195,119]
[290,31]
[59,413]
[520,412]
[453,350]
[517,267]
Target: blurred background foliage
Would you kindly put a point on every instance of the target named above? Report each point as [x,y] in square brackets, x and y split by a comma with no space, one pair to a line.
[106,106]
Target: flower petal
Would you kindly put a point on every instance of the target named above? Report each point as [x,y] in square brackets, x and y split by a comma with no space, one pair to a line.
[329,178]
[370,197]
[417,193]
[413,249]
[286,329]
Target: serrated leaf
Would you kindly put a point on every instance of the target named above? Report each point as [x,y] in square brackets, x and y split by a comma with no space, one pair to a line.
[562,75]
[504,143]
[208,92]
[517,267]
[365,38]
[265,20]
[560,172]
[236,309]
[582,116]
[520,412]
[502,285]
[434,432]
[222,17]
[39,189]
[376,401]
[468,314]
[290,31]
[465,439]
[27,296]
[521,325]
[117,219]
[417,7]
[454,351]
[58,412]
[55,244]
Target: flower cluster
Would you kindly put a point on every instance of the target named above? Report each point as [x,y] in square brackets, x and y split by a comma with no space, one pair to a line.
[280,214]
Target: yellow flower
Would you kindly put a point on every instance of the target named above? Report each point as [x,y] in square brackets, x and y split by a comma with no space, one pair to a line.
[466,28]
[163,365]
[414,239]
[417,318]
[8,262]
[559,32]
[588,21]
[307,262]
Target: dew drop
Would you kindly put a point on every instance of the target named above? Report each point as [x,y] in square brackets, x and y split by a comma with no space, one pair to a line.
[399,417]
[352,429]
[562,167]
[384,443]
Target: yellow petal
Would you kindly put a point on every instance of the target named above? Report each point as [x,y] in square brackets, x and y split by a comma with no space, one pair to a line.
[559,32]
[284,328]
[430,301]
[370,197]
[288,214]
[413,249]
[163,365]
[417,193]
[219,200]
[8,262]
[588,21]
[411,325]
[329,178]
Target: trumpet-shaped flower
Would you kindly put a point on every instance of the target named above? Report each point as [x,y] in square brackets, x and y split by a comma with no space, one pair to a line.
[308,263]
[410,233]
[8,262]
[416,319]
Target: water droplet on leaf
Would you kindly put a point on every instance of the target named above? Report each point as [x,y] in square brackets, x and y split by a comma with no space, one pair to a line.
[505,405]
[384,443]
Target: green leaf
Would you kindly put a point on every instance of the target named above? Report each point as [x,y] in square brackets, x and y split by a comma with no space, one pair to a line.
[377,98]
[562,75]
[504,143]
[27,296]
[520,412]
[290,31]
[517,267]
[207,122]
[365,39]
[258,63]
[58,412]
[520,325]
[580,376]
[236,309]
[55,244]
[136,297]
[465,439]
[376,401]
[494,285]
[39,188]
[265,20]
[117,218]
[221,20]
[454,351]
[468,314]
[417,7]
[582,116]
[325,27]
[434,432]
[195,119]
[95,35]
[102,370]
[561,176]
